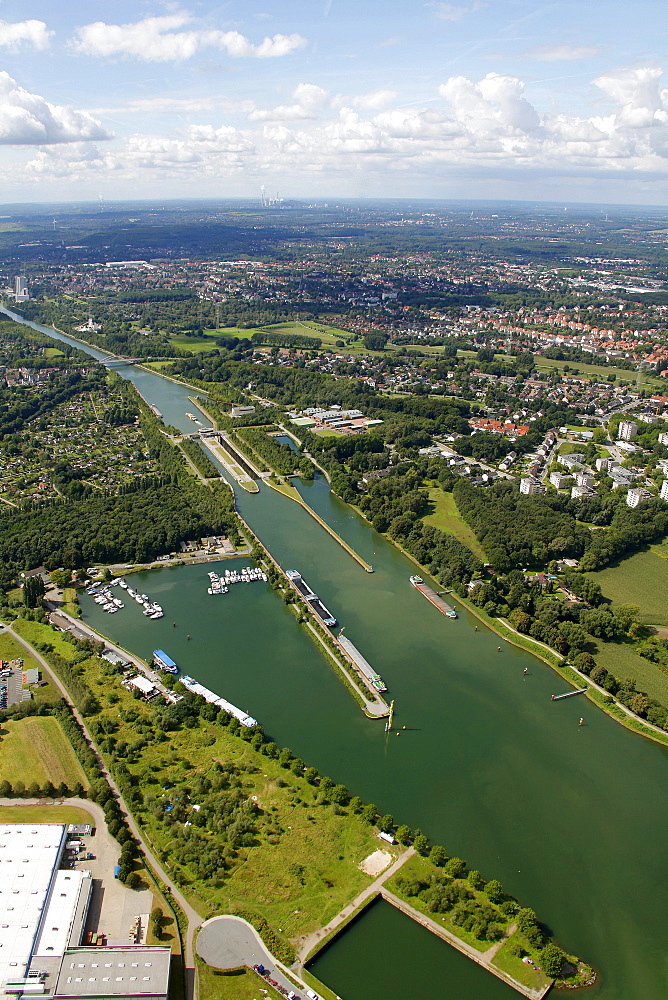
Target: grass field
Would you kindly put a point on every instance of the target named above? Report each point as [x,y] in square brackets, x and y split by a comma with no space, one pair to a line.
[598,372]
[621,660]
[661,549]
[10,649]
[641,579]
[34,632]
[515,967]
[45,814]
[196,344]
[36,749]
[447,518]
[329,846]
[242,984]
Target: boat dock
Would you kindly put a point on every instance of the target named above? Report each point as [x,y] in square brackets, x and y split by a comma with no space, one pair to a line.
[432,596]
[213,699]
[312,599]
[567,694]
[373,680]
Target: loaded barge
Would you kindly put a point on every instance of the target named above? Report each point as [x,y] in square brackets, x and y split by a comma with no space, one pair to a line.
[213,699]
[363,666]
[432,596]
[314,602]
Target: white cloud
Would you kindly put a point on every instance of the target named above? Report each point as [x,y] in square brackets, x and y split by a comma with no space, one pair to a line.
[308,100]
[452,12]
[33,33]
[177,105]
[158,39]
[28,119]
[376,100]
[493,106]
[563,53]
[481,129]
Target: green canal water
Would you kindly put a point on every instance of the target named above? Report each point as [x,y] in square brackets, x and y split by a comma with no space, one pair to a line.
[571,819]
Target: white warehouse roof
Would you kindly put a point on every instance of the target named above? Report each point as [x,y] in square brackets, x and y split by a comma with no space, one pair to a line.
[29,855]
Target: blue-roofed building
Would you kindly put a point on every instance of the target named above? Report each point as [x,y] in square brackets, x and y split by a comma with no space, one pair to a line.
[164,662]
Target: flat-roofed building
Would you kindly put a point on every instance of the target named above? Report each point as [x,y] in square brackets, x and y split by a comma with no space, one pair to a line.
[637,496]
[627,430]
[29,856]
[133,972]
[530,486]
[43,910]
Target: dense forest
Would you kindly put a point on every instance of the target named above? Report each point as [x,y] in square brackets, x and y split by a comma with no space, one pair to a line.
[517,531]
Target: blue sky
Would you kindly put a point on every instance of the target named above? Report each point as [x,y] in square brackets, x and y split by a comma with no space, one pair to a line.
[374,98]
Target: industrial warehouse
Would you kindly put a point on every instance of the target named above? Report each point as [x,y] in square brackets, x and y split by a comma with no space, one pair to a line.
[43,909]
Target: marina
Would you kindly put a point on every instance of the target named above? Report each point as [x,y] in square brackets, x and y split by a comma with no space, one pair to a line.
[314,602]
[214,699]
[103,596]
[432,596]
[247,574]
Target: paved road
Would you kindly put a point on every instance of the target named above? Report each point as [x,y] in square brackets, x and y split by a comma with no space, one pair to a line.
[227,942]
[192,916]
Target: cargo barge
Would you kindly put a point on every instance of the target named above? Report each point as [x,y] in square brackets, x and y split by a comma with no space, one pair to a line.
[369,675]
[432,596]
[314,602]
[213,699]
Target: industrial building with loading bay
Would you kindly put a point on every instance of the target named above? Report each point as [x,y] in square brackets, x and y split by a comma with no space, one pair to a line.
[43,910]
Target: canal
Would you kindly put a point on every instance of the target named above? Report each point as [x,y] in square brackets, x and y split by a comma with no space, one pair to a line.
[571,819]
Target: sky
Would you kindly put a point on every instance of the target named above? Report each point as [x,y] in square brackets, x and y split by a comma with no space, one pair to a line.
[322,99]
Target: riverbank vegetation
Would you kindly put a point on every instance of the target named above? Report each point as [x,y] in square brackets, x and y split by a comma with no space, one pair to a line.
[199,458]
[243,825]
[480,913]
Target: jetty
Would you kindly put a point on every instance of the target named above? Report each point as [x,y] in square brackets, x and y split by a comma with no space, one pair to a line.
[293,494]
[567,694]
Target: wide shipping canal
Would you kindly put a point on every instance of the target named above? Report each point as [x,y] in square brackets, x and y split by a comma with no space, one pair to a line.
[571,819]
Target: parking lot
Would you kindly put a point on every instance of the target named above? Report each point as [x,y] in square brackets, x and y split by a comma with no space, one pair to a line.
[113,906]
